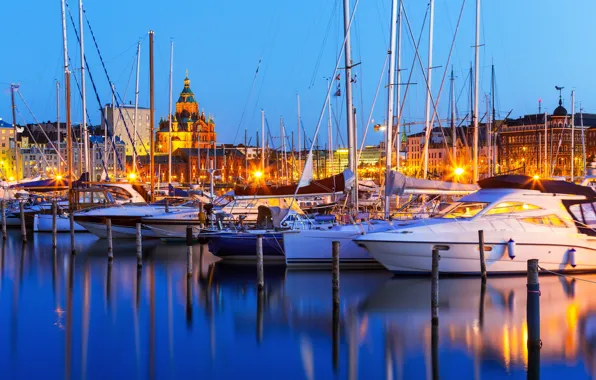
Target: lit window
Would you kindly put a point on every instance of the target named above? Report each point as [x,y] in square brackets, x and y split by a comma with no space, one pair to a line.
[547,220]
[511,207]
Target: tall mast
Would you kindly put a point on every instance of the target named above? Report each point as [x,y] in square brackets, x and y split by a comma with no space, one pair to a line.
[397,87]
[67,105]
[13,88]
[170,116]
[134,132]
[245,154]
[476,82]
[352,163]
[263,141]
[428,127]
[390,104]
[572,135]
[329,132]
[151,117]
[453,131]
[546,163]
[493,146]
[58,153]
[85,133]
[299,122]
[581,118]
[488,137]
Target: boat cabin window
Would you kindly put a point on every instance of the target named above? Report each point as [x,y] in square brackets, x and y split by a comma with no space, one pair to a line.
[546,220]
[511,207]
[585,213]
[92,197]
[464,210]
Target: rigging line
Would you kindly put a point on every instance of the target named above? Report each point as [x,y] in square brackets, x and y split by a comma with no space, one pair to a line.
[372,109]
[43,156]
[134,62]
[566,275]
[103,115]
[323,44]
[416,45]
[113,93]
[252,86]
[18,91]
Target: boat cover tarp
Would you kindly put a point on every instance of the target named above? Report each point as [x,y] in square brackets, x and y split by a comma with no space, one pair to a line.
[398,183]
[335,184]
[51,184]
[517,181]
[175,192]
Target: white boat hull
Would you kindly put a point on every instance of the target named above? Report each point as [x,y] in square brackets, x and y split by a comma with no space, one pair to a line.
[411,253]
[118,232]
[43,223]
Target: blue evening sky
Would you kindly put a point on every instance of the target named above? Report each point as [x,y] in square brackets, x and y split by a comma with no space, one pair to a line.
[534,45]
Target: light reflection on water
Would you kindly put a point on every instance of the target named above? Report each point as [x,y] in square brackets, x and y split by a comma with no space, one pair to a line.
[80,317]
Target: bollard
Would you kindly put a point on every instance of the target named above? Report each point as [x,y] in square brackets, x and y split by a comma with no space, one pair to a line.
[23,225]
[72,235]
[335,270]
[260,273]
[188,251]
[434,297]
[139,246]
[54,224]
[481,249]
[533,304]
[109,236]
[4,236]
[167,208]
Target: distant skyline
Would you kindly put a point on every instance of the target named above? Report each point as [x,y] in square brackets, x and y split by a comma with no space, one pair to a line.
[533,44]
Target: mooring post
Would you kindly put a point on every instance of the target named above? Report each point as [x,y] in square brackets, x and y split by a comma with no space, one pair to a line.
[533,304]
[533,320]
[23,226]
[54,223]
[189,251]
[260,271]
[335,270]
[434,288]
[72,232]
[481,249]
[109,236]
[167,208]
[201,252]
[139,240]
[189,302]
[335,299]
[4,236]
[260,313]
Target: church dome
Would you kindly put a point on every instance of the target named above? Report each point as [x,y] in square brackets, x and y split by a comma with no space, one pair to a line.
[560,110]
[186,96]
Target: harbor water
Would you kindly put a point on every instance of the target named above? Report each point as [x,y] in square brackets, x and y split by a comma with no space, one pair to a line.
[82,317]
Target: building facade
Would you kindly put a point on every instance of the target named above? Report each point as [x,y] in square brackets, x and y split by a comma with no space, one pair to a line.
[190,129]
[122,122]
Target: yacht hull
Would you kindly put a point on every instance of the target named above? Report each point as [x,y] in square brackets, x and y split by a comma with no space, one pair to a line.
[411,253]
[242,246]
[43,223]
[170,228]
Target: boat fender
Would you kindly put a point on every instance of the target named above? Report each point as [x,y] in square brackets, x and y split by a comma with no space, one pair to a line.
[511,249]
[571,257]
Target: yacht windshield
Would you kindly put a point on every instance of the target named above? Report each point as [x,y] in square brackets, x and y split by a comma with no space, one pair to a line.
[463,210]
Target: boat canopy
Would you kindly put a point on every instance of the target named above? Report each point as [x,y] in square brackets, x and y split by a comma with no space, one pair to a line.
[517,181]
[336,184]
[51,184]
[399,184]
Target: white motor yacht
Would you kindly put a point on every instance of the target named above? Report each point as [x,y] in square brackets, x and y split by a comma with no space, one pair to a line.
[522,218]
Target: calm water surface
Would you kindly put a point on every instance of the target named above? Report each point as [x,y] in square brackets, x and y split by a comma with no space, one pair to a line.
[78,317]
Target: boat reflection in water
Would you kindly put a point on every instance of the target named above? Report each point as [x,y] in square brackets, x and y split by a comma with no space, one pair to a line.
[79,316]
[482,333]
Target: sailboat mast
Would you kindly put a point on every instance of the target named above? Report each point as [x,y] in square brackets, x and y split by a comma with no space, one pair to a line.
[263,141]
[453,131]
[134,132]
[151,117]
[572,135]
[428,127]
[581,120]
[329,132]
[84,132]
[390,104]
[352,164]
[67,105]
[397,88]
[170,116]
[476,82]
[299,122]
[57,120]
[13,88]
[493,156]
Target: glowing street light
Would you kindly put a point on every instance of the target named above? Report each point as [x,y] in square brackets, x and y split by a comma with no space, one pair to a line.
[59,177]
[258,174]
[459,171]
[536,177]
[132,176]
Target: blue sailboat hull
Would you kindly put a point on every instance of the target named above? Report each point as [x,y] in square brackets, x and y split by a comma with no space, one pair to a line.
[243,246]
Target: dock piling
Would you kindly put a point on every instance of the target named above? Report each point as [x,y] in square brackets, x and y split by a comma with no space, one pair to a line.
[335,270]
[189,251]
[109,236]
[167,207]
[54,223]
[72,232]
[23,225]
[533,304]
[434,297]
[481,249]
[139,240]
[260,272]
[4,236]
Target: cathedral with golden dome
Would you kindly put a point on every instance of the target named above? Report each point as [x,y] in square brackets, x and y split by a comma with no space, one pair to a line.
[190,129]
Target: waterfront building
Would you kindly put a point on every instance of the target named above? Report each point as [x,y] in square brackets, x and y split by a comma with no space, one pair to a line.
[7,157]
[121,118]
[190,129]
